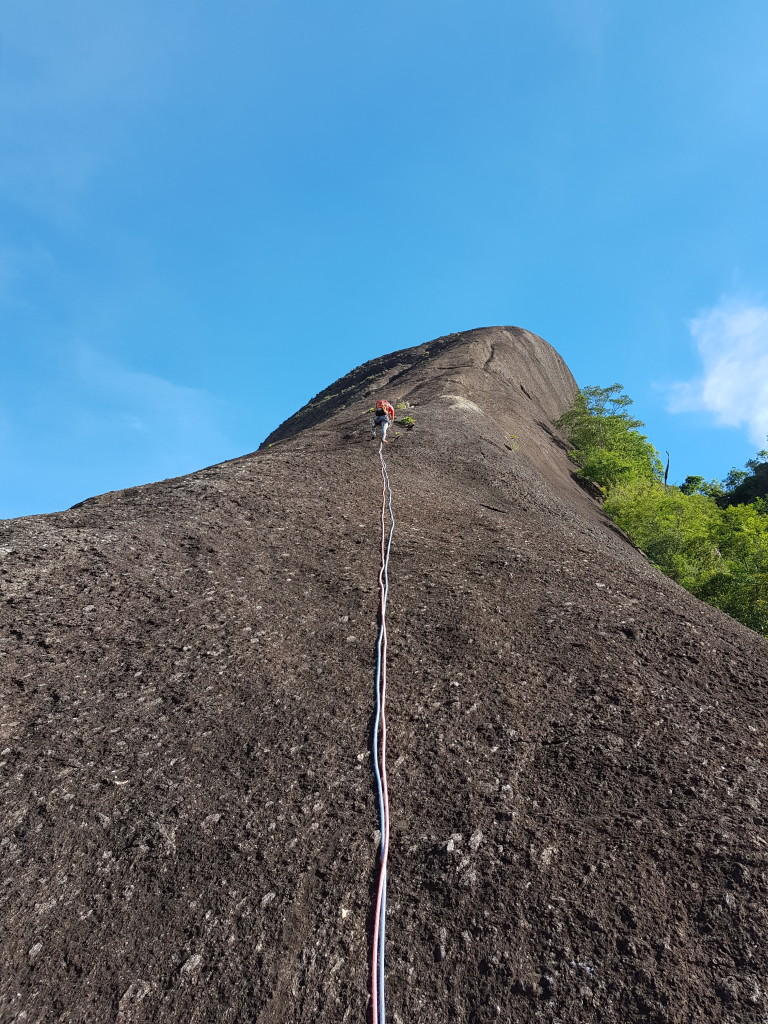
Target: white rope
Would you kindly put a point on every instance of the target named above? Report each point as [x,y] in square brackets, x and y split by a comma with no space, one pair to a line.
[378,1003]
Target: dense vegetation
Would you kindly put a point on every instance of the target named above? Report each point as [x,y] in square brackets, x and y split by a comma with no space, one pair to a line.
[709,536]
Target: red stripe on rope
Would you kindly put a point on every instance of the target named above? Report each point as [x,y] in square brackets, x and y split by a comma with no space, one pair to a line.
[377,955]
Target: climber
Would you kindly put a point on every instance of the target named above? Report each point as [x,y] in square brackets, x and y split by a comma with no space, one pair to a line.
[383,415]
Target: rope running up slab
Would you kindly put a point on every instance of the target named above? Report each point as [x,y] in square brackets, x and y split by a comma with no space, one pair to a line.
[378,1006]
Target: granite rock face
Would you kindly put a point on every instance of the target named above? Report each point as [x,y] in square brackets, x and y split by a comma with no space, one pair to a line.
[577,747]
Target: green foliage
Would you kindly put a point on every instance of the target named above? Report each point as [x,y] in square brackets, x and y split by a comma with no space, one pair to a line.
[677,532]
[698,534]
[698,485]
[406,421]
[734,478]
[720,555]
[741,589]
[743,486]
[693,485]
[740,487]
[606,443]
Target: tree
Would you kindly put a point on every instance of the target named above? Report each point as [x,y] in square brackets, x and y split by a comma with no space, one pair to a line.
[718,553]
[734,478]
[693,485]
[679,533]
[605,439]
[698,485]
[743,486]
[741,588]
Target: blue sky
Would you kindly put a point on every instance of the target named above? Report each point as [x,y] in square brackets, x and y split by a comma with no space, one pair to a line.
[210,212]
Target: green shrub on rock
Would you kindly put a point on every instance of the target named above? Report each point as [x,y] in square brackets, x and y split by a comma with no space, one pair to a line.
[606,442]
[696,533]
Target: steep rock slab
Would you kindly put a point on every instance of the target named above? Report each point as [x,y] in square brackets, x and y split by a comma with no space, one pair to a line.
[577,746]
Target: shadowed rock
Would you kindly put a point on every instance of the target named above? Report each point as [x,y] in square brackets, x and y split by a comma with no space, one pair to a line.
[576,746]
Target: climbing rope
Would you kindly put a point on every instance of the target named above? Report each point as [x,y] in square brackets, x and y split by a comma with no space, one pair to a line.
[378,1009]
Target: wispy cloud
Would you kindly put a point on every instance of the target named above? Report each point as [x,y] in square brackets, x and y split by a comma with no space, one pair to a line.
[732,341]
[179,425]
[88,423]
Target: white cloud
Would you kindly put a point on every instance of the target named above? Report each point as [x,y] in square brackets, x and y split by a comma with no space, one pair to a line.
[171,424]
[83,422]
[732,341]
